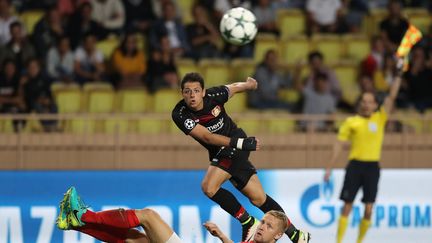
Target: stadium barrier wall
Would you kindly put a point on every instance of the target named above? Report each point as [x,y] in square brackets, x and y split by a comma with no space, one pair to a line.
[171,149]
[29,203]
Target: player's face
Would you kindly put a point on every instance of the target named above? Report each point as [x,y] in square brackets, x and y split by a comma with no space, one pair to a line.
[269,230]
[193,95]
[368,104]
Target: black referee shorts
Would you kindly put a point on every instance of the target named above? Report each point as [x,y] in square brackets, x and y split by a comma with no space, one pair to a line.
[361,174]
[237,165]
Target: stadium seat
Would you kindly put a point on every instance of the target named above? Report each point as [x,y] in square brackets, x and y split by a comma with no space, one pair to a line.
[80,126]
[150,126]
[289,95]
[101,101]
[165,100]
[108,46]
[280,126]
[142,42]
[357,47]
[68,100]
[263,43]
[114,126]
[93,86]
[294,49]
[243,67]
[347,74]
[6,126]
[237,104]
[421,20]
[329,45]
[250,126]
[133,101]
[186,65]
[30,18]
[60,86]
[215,71]
[186,10]
[376,16]
[291,22]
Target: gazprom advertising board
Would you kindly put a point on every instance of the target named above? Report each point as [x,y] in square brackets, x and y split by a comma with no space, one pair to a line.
[29,203]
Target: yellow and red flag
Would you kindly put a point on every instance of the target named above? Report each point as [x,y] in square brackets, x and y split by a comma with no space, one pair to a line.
[411,37]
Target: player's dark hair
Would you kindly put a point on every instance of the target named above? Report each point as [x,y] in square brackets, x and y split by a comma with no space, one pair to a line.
[192,77]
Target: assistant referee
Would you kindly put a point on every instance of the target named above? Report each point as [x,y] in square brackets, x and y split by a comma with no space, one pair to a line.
[365,133]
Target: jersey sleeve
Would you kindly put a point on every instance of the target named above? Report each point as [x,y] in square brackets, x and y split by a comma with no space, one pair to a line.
[344,133]
[183,120]
[218,94]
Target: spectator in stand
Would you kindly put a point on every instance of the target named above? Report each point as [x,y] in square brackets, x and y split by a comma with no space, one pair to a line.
[139,15]
[318,101]
[89,61]
[60,61]
[355,12]
[67,8]
[384,77]
[380,4]
[37,93]
[157,7]
[47,31]
[316,66]
[394,26]
[6,19]
[109,14]
[162,71]
[296,4]
[202,35]
[19,47]
[129,63]
[325,16]
[219,7]
[266,96]
[81,23]
[266,17]
[418,80]
[11,100]
[171,26]
[375,59]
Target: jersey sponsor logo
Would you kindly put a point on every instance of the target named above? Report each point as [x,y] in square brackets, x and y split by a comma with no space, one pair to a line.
[216,111]
[189,124]
[216,127]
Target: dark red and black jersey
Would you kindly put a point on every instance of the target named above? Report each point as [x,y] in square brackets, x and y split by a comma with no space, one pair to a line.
[212,116]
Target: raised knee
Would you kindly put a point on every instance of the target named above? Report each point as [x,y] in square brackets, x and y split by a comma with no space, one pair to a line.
[208,190]
[258,201]
[146,215]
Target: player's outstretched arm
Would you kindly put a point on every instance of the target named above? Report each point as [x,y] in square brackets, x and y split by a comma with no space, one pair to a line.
[201,133]
[238,87]
[215,231]
[394,88]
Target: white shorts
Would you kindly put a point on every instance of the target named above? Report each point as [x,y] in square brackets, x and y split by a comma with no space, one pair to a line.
[174,239]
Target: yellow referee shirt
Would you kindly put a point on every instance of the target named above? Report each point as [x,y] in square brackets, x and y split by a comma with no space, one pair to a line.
[366,135]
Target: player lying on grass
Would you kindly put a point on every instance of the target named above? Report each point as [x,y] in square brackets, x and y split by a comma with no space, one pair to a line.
[118,226]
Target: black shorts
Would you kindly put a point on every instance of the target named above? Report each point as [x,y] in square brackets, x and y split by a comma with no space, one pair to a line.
[238,166]
[361,174]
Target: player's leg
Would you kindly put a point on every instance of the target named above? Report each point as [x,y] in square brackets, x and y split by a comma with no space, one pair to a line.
[111,234]
[370,188]
[155,227]
[254,191]
[211,186]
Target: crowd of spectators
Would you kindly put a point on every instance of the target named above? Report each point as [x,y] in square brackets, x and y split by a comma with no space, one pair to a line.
[62,47]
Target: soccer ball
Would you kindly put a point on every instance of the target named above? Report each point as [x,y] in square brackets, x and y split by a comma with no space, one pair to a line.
[238,26]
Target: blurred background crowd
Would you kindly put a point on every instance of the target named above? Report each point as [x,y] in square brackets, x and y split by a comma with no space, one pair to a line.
[310,57]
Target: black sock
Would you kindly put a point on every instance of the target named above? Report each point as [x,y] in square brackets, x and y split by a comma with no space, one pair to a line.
[271,204]
[230,204]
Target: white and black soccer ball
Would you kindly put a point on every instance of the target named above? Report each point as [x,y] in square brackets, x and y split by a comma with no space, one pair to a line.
[238,26]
